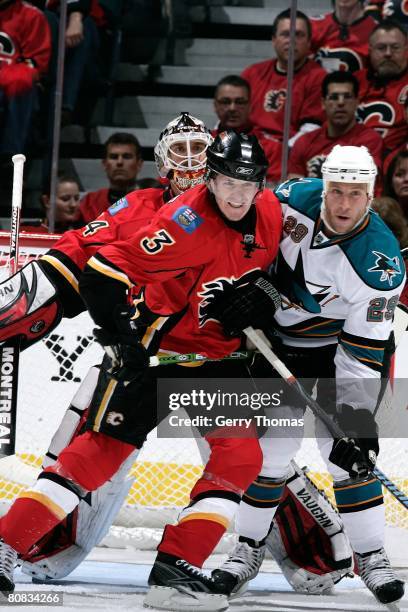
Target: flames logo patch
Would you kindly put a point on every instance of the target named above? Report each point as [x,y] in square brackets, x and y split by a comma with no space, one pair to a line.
[215,289]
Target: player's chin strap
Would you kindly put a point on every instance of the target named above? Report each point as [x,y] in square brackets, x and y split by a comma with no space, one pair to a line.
[315,558]
[74,538]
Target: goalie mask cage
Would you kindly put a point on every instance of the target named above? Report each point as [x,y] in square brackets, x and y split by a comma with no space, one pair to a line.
[166,469]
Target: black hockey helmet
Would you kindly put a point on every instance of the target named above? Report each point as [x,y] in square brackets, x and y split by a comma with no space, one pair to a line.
[239,156]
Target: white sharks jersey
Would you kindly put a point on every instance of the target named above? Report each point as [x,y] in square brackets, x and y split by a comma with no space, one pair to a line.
[340,289]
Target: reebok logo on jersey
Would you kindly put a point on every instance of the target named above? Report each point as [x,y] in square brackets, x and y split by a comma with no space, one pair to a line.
[118,206]
[387,266]
[187,219]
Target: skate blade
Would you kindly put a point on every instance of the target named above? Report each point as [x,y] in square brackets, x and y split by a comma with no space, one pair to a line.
[168,598]
[392,607]
[240,591]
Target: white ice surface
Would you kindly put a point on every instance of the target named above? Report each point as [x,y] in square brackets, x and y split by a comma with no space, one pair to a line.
[116,580]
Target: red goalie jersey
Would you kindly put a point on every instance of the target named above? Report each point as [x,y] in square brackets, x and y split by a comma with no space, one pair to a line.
[341,47]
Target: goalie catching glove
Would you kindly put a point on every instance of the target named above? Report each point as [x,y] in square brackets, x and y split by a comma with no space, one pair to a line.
[354,453]
[252,303]
[127,354]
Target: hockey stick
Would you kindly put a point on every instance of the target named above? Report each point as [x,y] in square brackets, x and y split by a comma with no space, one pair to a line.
[190,357]
[10,350]
[317,410]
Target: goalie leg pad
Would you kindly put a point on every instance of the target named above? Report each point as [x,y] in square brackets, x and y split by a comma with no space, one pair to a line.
[85,529]
[307,539]
[29,305]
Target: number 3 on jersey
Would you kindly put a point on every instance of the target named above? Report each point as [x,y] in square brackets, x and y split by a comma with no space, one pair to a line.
[155,244]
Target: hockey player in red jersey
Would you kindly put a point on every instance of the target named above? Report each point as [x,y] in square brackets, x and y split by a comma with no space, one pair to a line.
[180,157]
[340,38]
[202,259]
[384,85]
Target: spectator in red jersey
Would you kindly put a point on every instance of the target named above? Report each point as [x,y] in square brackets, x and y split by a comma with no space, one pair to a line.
[396,181]
[66,211]
[340,38]
[340,102]
[389,9]
[404,147]
[122,162]
[268,80]
[25,47]
[384,85]
[232,105]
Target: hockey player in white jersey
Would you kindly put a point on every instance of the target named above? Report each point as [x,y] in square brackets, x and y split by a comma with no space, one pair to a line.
[340,275]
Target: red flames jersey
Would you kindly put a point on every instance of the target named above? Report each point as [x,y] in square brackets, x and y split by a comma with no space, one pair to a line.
[268,95]
[192,253]
[341,47]
[382,107]
[70,254]
[310,150]
[24,35]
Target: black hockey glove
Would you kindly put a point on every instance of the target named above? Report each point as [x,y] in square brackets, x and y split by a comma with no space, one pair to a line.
[253,303]
[127,354]
[357,452]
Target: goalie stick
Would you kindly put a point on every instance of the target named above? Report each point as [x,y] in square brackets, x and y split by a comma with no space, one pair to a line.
[317,410]
[10,350]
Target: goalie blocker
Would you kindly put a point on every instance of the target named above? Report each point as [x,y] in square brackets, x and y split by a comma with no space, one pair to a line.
[33,301]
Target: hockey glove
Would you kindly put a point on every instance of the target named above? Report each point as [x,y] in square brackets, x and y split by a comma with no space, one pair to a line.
[354,453]
[127,354]
[253,303]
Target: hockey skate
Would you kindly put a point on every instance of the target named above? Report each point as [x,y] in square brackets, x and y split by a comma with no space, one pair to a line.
[8,560]
[242,565]
[379,577]
[177,585]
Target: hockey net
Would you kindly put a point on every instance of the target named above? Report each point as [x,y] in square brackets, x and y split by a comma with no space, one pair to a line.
[166,469]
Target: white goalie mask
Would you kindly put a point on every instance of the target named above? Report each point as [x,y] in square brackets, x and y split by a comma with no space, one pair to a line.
[351,165]
[180,153]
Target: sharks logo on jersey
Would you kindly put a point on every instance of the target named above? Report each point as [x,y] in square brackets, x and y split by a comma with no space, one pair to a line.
[296,291]
[214,290]
[388,267]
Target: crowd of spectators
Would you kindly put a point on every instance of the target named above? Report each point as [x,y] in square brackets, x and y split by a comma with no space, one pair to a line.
[350,86]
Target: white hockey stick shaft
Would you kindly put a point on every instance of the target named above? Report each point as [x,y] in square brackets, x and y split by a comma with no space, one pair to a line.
[17,196]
